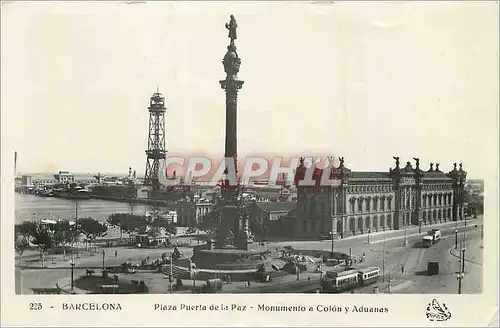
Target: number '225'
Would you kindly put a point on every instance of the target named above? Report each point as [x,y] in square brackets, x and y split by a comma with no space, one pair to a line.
[35,306]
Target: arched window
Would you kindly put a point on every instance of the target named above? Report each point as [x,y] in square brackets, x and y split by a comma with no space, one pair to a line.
[360,204]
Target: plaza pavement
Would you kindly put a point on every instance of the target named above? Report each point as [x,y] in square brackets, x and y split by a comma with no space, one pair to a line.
[356,244]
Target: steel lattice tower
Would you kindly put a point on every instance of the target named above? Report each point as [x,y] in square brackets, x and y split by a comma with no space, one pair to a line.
[156,151]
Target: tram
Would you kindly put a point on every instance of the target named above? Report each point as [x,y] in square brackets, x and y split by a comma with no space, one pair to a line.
[337,282]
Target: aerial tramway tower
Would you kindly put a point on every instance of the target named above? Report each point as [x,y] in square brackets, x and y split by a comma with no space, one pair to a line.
[156,151]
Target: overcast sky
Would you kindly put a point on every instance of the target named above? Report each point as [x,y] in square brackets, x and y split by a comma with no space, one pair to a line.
[366,81]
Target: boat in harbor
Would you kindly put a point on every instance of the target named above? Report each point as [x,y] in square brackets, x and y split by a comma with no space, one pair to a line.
[73,193]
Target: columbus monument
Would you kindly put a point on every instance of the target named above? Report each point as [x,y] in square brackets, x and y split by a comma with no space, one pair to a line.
[230,248]
[233,227]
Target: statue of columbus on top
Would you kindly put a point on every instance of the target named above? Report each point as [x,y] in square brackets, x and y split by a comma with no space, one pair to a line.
[231,26]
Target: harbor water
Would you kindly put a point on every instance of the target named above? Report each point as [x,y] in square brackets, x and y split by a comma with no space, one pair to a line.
[29,207]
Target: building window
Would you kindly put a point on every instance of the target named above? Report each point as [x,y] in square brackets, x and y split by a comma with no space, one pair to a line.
[360,204]
[367,204]
[375,204]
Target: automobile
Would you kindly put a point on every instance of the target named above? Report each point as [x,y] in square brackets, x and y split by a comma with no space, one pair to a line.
[435,234]
[427,241]
[326,236]
[432,268]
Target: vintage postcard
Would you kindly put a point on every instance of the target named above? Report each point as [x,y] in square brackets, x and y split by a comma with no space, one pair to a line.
[324,163]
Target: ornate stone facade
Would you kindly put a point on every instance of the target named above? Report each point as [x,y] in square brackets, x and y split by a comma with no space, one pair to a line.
[362,202]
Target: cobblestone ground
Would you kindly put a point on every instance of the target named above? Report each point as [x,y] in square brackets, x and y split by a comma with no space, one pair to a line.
[396,255]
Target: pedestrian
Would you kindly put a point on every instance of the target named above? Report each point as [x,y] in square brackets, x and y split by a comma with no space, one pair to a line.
[116,253]
[229,279]
[402,269]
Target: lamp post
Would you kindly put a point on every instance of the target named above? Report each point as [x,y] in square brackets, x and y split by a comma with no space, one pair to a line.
[332,242]
[456,238]
[194,280]
[389,284]
[76,228]
[171,276]
[103,254]
[72,264]
[405,242]
[463,257]
[383,260]
[460,276]
[368,235]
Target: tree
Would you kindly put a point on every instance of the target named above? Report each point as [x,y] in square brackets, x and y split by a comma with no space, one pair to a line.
[121,221]
[26,228]
[92,228]
[475,202]
[43,238]
[209,223]
[154,232]
[21,244]
[170,229]
[62,233]
[167,225]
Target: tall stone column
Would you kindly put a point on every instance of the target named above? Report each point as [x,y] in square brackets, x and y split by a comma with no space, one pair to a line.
[231,84]
[231,217]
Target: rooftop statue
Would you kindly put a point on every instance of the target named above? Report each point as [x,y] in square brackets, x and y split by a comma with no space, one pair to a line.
[417,163]
[232,26]
[397,161]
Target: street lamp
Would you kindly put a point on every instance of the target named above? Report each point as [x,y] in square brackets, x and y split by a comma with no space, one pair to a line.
[171,276]
[72,264]
[463,258]
[389,284]
[460,276]
[383,260]
[456,238]
[405,242]
[368,235]
[76,228]
[332,241]
[103,254]
[194,280]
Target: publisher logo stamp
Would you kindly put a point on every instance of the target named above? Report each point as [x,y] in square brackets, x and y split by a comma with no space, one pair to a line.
[437,312]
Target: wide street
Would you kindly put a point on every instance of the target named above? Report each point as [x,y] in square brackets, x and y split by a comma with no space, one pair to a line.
[414,278]
[411,257]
